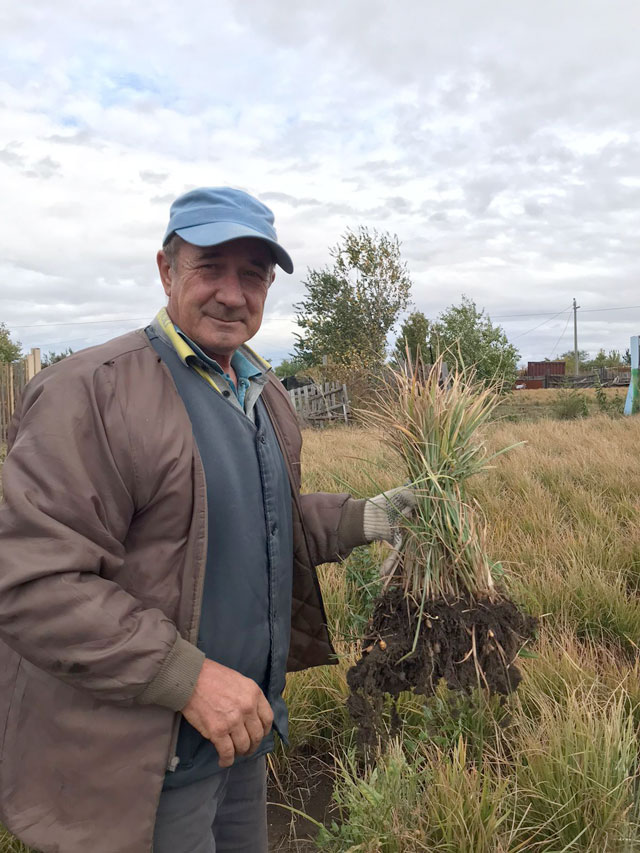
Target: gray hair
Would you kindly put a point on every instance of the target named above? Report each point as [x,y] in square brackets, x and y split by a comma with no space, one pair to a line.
[171,249]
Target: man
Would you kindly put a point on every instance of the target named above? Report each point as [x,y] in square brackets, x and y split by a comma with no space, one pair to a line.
[157,564]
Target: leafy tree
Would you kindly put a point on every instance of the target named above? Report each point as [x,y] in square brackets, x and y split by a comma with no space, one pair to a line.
[471,340]
[604,359]
[350,306]
[570,358]
[614,358]
[288,367]
[9,350]
[626,358]
[413,336]
[53,357]
[599,360]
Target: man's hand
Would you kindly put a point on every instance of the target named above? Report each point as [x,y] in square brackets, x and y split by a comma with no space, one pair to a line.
[230,710]
[383,514]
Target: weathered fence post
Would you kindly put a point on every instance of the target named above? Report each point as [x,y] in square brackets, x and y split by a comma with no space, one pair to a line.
[13,378]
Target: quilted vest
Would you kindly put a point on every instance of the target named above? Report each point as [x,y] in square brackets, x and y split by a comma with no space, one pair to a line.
[246,604]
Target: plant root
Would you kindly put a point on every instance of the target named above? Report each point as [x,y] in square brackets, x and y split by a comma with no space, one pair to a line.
[470,643]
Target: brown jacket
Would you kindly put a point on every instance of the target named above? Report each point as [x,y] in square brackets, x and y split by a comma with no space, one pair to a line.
[102,550]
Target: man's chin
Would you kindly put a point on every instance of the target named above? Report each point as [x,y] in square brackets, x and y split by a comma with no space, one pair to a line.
[220,344]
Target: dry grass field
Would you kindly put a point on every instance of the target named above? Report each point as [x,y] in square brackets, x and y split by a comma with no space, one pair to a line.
[555,766]
[540,403]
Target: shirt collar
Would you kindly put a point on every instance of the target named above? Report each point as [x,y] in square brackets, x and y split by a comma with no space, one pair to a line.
[246,363]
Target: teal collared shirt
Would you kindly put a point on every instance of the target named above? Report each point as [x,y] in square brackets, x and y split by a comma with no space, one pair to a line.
[244,369]
[251,370]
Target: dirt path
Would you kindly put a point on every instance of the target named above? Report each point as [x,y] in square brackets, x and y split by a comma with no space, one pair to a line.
[310,793]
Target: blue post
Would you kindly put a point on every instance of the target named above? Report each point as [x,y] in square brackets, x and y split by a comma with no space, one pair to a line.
[632,404]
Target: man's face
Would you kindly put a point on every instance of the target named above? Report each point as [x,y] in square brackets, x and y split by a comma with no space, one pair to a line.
[217,293]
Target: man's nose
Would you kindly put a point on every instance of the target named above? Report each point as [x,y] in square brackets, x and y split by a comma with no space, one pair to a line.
[229,291]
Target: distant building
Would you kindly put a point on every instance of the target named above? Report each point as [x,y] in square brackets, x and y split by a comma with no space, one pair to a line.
[546,368]
[538,373]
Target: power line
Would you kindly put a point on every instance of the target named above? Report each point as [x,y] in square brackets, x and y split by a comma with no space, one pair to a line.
[535,314]
[618,308]
[549,313]
[562,334]
[80,323]
[544,322]
[64,342]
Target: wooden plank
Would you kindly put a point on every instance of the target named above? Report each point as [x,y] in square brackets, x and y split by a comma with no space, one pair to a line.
[13,378]
[31,366]
[4,402]
[324,401]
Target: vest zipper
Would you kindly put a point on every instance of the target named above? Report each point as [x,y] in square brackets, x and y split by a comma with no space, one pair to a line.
[296,499]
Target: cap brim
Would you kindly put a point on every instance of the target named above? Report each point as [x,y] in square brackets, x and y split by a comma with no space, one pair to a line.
[214,233]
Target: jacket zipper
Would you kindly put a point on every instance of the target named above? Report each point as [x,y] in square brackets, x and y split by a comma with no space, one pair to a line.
[174,760]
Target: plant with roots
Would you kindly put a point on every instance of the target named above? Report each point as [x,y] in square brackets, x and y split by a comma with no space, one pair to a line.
[441,614]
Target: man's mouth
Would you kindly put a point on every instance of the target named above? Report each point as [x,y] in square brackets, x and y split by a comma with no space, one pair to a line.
[225,319]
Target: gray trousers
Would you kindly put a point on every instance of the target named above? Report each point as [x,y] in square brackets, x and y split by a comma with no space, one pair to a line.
[226,813]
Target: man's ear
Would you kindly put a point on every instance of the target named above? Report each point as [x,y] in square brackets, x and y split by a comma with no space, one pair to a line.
[164,268]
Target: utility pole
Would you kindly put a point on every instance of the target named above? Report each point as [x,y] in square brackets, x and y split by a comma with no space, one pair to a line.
[575,336]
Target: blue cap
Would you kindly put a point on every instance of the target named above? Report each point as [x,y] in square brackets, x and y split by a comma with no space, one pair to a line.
[212,215]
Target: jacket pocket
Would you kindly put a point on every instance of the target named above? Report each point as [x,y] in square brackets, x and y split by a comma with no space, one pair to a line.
[189,742]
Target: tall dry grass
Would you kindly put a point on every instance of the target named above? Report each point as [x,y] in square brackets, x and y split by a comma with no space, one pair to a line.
[564,516]
[544,402]
[554,767]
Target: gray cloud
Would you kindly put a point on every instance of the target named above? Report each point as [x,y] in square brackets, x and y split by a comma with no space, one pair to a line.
[82,138]
[45,168]
[154,178]
[10,157]
[291,200]
[500,141]
[164,200]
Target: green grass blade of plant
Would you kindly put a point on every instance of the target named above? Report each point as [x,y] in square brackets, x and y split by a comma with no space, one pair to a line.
[436,429]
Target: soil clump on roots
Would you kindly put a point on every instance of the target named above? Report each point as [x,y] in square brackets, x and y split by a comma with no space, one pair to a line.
[470,643]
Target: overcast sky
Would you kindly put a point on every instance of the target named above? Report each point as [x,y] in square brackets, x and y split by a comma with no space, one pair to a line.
[499,140]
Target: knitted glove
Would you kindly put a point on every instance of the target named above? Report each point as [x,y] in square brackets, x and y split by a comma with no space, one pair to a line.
[382,513]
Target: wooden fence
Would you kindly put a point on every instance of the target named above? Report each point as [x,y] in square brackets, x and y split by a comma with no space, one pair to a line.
[13,378]
[318,403]
[601,376]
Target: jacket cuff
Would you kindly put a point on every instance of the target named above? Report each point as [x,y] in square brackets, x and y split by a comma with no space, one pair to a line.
[351,527]
[173,685]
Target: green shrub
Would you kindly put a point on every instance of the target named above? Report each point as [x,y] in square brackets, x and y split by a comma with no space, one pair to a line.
[576,776]
[612,406]
[402,806]
[562,778]
[570,405]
